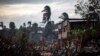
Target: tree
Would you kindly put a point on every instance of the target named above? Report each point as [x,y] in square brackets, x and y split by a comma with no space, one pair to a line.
[35,27]
[49,28]
[12,25]
[29,28]
[47,14]
[12,30]
[64,16]
[1,24]
[1,27]
[89,9]
[29,23]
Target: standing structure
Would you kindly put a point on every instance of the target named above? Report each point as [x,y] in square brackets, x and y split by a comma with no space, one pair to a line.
[64,29]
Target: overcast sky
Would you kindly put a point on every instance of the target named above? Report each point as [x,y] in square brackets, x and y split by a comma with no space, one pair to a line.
[21,11]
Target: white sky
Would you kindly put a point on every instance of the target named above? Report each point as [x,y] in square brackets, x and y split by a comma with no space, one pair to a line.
[24,12]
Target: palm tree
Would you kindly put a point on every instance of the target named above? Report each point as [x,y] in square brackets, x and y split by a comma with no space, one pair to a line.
[47,14]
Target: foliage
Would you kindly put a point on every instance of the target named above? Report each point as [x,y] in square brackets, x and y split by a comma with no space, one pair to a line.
[12,25]
[77,32]
[87,8]
[81,32]
[64,16]
[35,27]
[47,14]
[93,32]
[49,28]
